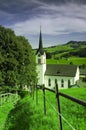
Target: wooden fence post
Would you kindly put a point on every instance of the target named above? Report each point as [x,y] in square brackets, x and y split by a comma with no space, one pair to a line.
[44,99]
[36,95]
[58,103]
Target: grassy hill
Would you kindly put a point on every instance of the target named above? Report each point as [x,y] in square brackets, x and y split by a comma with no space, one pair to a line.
[26,115]
[71,52]
[71,48]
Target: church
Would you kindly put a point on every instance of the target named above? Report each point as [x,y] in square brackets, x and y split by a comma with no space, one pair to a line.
[50,74]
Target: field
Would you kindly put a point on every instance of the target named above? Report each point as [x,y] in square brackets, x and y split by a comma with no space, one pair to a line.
[74,60]
[26,115]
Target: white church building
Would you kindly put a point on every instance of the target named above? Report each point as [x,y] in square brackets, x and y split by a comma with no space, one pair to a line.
[50,74]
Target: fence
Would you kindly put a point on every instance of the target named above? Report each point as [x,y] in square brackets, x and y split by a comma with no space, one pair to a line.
[58,94]
[8,97]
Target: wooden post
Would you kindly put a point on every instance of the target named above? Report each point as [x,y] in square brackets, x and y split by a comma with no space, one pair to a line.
[36,95]
[58,103]
[44,99]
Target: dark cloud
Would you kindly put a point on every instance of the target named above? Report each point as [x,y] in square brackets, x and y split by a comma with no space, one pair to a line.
[64,1]
[22,6]
[57,17]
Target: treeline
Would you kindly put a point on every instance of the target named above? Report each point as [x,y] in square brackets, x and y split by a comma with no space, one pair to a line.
[78,48]
[76,44]
[80,53]
[17,65]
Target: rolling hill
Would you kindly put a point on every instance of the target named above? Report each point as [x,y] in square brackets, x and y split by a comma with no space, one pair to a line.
[71,52]
[72,48]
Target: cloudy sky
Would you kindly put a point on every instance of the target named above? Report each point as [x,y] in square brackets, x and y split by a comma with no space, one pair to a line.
[60,20]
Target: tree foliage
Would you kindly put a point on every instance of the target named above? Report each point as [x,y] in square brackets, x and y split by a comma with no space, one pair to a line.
[17,66]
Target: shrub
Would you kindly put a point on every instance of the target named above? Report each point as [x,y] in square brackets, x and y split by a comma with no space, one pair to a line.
[22,93]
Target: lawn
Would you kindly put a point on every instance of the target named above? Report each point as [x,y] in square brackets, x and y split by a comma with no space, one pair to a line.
[28,116]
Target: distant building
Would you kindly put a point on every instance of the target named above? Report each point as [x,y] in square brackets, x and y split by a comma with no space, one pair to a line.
[64,75]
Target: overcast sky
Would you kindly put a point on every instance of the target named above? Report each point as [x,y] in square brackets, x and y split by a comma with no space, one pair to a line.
[60,20]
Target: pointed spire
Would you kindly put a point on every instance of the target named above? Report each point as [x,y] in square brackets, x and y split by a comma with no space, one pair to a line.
[40,40]
[40,49]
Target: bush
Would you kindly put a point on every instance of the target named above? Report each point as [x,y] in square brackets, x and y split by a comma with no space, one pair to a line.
[22,93]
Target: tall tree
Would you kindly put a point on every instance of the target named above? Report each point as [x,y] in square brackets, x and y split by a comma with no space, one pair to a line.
[17,66]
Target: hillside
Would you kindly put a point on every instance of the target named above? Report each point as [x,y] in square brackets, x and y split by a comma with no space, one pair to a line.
[72,48]
[71,52]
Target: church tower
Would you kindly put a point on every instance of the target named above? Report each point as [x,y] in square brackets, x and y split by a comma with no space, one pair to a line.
[40,61]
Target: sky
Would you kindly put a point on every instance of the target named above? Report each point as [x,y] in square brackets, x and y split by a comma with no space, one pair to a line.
[60,20]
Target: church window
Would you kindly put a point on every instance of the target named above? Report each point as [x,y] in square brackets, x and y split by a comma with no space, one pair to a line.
[62,83]
[69,83]
[39,61]
[55,81]
[49,82]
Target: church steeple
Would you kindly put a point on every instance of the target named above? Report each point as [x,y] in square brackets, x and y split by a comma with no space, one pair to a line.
[40,40]
[40,49]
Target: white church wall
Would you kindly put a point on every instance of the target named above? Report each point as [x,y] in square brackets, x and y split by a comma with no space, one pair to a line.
[40,74]
[41,67]
[77,75]
[59,81]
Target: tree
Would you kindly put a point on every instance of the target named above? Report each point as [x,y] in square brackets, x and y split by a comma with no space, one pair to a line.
[16,59]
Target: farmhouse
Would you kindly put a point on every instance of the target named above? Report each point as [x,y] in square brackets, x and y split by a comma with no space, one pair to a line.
[64,75]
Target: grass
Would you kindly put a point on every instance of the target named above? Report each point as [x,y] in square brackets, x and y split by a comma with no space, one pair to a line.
[73,112]
[59,48]
[28,116]
[4,111]
[74,60]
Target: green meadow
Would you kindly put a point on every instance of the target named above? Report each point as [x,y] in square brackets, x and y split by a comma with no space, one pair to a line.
[73,60]
[27,115]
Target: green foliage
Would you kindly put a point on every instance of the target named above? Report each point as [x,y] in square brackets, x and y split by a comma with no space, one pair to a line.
[23,93]
[17,66]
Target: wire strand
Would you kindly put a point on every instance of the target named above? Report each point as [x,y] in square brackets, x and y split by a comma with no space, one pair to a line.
[59,113]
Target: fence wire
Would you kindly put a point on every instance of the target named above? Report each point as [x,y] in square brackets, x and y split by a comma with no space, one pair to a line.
[59,114]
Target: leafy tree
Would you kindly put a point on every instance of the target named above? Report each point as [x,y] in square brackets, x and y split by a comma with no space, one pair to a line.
[17,66]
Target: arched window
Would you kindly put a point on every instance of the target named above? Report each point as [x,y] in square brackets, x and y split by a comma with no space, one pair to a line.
[55,81]
[69,83]
[49,82]
[62,83]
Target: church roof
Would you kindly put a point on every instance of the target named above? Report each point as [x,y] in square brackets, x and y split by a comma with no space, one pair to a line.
[40,49]
[61,70]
